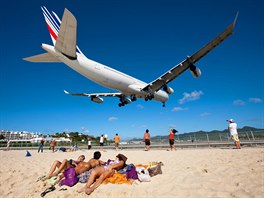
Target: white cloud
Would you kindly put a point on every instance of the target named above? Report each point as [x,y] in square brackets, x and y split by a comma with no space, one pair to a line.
[179,109]
[143,126]
[172,126]
[239,102]
[110,119]
[255,100]
[195,95]
[205,114]
[140,106]
[84,130]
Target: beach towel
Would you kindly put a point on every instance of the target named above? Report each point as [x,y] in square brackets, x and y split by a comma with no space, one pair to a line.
[70,177]
[118,178]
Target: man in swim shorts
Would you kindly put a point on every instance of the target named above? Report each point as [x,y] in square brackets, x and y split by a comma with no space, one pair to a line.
[146,139]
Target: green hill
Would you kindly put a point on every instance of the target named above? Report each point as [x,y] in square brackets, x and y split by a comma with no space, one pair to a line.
[247,133]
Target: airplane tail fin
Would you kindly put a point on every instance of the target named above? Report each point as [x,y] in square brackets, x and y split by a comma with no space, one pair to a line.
[62,32]
[66,40]
[63,35]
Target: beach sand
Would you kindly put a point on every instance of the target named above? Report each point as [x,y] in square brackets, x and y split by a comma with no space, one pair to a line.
[210,172]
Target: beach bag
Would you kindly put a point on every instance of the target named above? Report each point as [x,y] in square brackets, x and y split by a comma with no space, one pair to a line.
[155,170]
[131,172]
[143,174]
[70,177]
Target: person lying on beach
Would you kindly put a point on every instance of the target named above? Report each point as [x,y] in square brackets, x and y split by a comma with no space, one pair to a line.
[102,172]
[82,167]
[61,166]
[92,163]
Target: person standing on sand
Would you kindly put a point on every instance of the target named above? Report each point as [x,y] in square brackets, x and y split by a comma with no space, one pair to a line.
[232,127]
[41,145]
[117,141]
[89,144]
[171,139]
[101,142]
[52,145]
[146,139]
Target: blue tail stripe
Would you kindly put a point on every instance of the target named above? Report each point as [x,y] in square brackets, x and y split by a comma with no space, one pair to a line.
[56,20]
[51,19]
[50,22]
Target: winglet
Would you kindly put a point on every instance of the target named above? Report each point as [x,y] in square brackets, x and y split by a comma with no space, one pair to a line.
[66,92]
[234,23]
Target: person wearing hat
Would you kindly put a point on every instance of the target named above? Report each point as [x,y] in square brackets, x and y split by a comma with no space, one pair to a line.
[171,139]
[100,173]
[232,127]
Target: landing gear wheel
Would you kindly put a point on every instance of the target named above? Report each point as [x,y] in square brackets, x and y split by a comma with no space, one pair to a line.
[121,104]
[151,96]
[133,98]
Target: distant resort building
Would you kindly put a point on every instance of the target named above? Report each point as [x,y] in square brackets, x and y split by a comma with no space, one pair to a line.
[24,136]
[14,135]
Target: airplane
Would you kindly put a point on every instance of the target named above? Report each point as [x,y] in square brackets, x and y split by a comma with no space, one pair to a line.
[63,34]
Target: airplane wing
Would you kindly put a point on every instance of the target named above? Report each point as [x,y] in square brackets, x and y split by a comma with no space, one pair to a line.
[117,94]
[96,97]
[189,61]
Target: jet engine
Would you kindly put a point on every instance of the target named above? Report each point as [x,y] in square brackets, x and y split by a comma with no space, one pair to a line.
[195,71]
[123,101]
[168,89]
[126,100]
[97,99]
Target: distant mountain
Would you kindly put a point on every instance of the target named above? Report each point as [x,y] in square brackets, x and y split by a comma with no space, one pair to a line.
[212,135]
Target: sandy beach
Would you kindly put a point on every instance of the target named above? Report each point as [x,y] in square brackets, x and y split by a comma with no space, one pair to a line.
[210,172]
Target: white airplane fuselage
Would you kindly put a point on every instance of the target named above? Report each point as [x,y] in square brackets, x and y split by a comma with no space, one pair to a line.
[106,76]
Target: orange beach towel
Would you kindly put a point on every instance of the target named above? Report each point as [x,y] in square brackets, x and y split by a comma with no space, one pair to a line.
[118,178]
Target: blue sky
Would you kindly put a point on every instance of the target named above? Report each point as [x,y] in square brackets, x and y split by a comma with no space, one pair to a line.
[143,39]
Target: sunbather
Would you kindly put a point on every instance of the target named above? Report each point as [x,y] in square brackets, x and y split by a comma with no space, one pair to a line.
[92,163]
[61,166]
[85,166]
[103,172]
